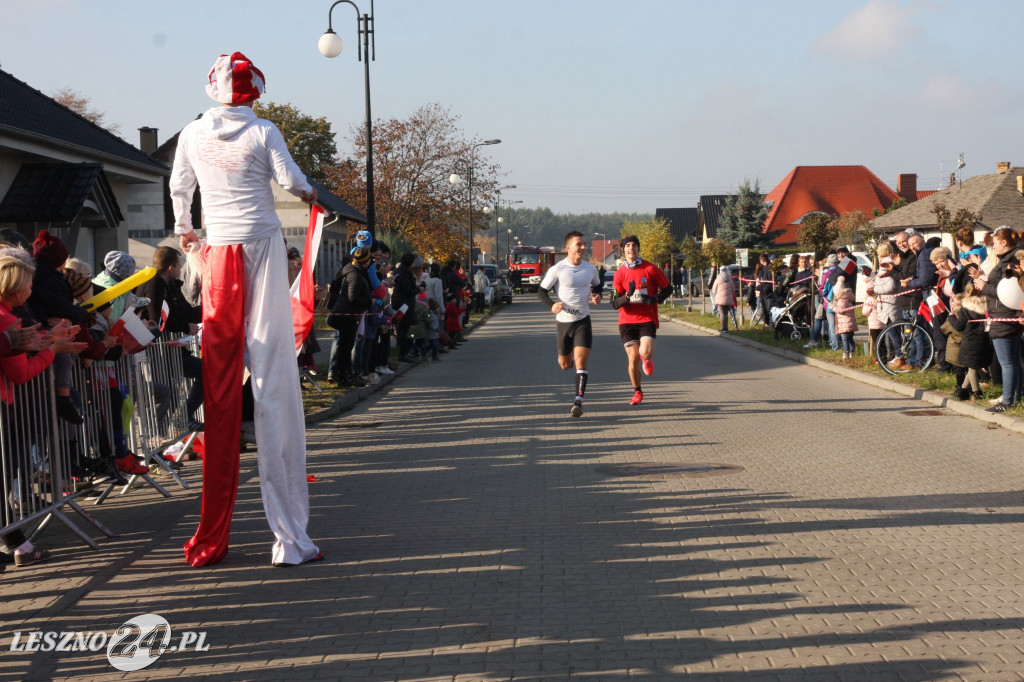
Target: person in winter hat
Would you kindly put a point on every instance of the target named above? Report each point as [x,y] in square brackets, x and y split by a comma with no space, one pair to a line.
[846,315]
[233,157]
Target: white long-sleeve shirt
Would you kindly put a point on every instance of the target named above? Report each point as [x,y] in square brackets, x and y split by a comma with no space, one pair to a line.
[232,155]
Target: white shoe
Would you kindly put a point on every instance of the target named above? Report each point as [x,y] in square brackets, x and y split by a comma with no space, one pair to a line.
[372,378]
[384,370]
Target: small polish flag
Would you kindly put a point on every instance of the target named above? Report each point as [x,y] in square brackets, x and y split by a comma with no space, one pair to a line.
[847,265]
[132,331]
[165,310]
[935,304]
[924,311]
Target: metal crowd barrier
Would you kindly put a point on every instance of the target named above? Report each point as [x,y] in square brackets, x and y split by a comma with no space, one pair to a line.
[140,398]
[36,459]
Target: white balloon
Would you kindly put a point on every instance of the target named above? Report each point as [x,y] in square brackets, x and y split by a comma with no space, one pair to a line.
[1010,294]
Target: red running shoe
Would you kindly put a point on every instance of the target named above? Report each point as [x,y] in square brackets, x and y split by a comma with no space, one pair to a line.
[648,365]
[130,465]
[638,398]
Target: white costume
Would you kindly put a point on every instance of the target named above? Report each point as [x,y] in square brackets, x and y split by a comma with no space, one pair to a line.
[232,155]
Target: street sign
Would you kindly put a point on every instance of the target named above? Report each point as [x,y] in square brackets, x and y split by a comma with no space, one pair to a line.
[741,257]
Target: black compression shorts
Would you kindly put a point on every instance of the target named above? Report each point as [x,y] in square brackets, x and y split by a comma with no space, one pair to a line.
[574,334]
[632,333]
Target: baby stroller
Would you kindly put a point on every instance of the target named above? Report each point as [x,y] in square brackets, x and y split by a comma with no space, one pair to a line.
[794,319]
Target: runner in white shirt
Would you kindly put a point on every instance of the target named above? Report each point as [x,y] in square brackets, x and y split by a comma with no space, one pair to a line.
[577,284]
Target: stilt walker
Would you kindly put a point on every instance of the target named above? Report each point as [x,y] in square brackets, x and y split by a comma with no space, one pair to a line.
[232,156]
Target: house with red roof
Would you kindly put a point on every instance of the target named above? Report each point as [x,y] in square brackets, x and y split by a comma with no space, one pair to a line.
[833,190]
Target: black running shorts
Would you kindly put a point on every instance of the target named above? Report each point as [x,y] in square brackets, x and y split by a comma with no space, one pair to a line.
[574,334]
[632,333]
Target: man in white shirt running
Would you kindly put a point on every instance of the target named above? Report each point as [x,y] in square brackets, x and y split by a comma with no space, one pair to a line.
[577,284]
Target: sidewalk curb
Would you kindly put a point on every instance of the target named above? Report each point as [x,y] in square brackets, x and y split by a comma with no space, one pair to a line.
[922,394]
[352,397]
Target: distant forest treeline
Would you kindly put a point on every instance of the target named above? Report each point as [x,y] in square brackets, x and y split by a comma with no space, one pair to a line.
[542,227]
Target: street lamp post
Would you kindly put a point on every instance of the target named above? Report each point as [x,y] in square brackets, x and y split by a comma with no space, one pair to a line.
[604,246]
[330,46]
[455,179]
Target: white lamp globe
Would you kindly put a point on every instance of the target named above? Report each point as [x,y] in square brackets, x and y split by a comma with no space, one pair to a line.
[329,44]
[455,179]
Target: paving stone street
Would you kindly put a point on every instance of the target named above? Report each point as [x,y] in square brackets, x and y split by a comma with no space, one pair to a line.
[754,519]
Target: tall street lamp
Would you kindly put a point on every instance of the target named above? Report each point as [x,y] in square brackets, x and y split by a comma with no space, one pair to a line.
[455,179]
[330,46]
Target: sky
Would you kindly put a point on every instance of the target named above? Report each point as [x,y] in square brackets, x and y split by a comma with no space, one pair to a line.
[601,106]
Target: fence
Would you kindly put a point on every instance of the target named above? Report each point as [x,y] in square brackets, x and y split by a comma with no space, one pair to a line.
[138,404]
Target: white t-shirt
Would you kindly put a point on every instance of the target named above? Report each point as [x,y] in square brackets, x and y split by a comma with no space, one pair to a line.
[572,283]
[233,156]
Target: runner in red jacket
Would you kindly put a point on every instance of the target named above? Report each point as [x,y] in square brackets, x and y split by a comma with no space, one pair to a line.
[639,287]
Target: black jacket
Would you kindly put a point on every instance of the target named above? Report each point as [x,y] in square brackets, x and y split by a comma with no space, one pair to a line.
[1000,330]
[353,291]
[181,313]
[52,297]
[975,347]
[405,290]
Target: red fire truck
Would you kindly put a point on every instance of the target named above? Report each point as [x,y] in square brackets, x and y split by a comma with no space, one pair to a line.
[531,262]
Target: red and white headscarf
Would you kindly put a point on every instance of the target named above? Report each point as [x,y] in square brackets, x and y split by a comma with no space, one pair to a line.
[235,80]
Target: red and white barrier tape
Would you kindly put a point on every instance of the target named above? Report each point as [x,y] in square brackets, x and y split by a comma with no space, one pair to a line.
[1019,320]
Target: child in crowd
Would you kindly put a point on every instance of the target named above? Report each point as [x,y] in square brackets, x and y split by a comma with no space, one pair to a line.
[846,317]
[453,319]
[51,301]
[870,309]
[15,288]
[434,330]
[420,325]
[724,294]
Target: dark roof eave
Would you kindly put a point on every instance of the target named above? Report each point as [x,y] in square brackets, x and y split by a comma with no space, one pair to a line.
[156,167]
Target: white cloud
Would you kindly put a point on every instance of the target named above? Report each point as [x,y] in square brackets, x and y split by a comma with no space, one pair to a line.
[873,31]
[950,92]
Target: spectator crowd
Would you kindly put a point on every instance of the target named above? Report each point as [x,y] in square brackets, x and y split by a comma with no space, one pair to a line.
[968,301]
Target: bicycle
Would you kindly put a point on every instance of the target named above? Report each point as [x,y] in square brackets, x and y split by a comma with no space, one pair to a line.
[905,347]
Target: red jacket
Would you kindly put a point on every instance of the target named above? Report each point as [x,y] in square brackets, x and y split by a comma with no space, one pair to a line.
[20,368]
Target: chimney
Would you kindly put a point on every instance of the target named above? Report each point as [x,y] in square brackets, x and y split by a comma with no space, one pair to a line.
[147,140]
[906,186]
[1002,167]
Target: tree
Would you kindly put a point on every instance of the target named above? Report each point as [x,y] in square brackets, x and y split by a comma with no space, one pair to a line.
[899,203]
[80,104]
[656,243]
[719,252]
[851,229]
[412,160]
[693,256]
[742,221]
[950,223]
[818,233]
[310,140]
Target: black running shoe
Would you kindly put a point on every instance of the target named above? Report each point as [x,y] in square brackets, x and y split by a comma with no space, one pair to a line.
[577,409]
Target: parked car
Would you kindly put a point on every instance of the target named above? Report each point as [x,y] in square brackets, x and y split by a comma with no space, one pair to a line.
[735,272]
[493,275]
[504,290]
[609,278]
